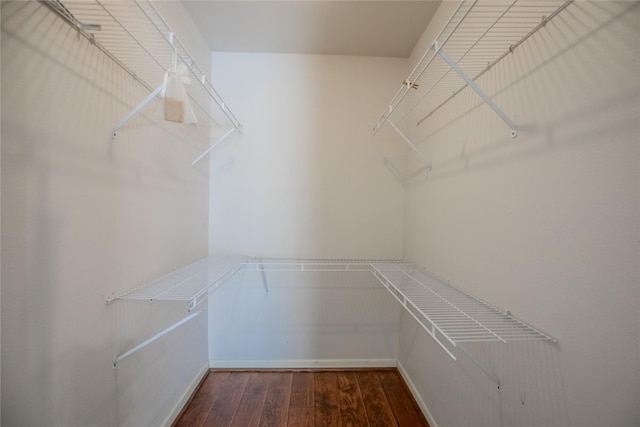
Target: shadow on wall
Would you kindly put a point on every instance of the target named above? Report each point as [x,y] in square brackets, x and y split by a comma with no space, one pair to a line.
[549,116]
[491,384]
[304,318]
[301,184]
[306,182]
[83,215]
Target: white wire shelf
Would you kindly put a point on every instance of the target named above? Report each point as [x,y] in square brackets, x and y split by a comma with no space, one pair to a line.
[477,36]
[137,37]
[192,283]
[334,265]
[449,314]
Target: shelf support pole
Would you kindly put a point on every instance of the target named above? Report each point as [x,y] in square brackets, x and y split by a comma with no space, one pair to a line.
[213,286]
[265,283]
[136,109]
[438,49]
[212,146]
[154,338]
[394,171]
[411,144]
[484,370]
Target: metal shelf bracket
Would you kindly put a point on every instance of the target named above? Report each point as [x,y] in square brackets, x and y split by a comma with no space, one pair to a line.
[469,81]
[136,109]
[212,146]
[411,144]
[148,341]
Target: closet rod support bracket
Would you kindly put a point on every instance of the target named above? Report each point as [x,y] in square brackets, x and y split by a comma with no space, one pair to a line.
[136,110]
[263,275]
[469,81]
[212,146]
[411,144]
[153,338]
[394,171]
[110,298]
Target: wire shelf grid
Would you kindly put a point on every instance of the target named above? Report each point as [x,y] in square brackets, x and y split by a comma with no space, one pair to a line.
[192,283]
[458,316]
[449,314]
[136,36]
[477,36]
[336,265]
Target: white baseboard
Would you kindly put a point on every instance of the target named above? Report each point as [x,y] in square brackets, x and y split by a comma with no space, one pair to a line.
[175,411]
[416,395]
[303,363]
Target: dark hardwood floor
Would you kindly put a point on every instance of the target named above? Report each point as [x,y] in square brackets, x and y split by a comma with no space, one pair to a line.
[301,398]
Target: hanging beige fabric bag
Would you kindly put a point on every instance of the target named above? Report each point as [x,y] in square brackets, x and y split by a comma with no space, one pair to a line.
[177,107]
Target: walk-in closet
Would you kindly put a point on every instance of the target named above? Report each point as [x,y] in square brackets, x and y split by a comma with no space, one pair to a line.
[438,200]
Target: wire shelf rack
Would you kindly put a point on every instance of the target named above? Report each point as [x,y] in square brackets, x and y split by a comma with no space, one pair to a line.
[449,314]
[335,265]
[192,283]
[476,37]
[137,37]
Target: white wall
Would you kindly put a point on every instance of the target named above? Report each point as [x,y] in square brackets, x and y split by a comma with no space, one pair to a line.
[545,225]
[0,221]
[84,216]
[307,319]
[306,180]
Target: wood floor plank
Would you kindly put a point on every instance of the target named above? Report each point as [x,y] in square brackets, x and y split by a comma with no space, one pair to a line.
[352,412]
[379,413]
[302,390]
[250,406]
[300,417]
[225,405]
[198,409]
[276,404]
[259,398]
[402,404]
[326,399]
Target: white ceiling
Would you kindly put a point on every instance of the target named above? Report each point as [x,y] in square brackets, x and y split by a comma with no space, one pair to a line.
[325,27]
